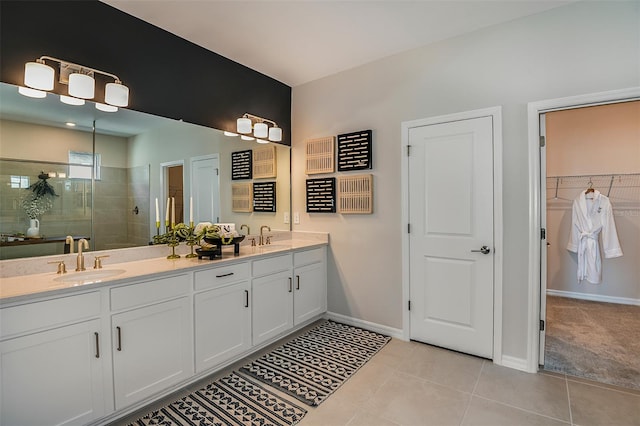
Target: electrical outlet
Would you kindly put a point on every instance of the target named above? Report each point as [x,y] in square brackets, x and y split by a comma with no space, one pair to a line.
[286,217]
[296,218]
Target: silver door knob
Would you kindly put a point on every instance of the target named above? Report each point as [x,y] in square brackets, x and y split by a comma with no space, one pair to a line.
[483,250]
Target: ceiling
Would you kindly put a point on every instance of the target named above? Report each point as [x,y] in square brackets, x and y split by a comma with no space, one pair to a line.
[298,41]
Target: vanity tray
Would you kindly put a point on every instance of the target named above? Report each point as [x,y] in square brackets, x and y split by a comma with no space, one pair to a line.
[217,251]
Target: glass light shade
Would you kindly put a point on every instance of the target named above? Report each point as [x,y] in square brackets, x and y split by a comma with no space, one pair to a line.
[246,138]
[38,76]
[69,100]
[275,134]
[81,86]
[243,125]
[116,94]
[230,133]
[261,141]
[32,93]
[105,107]
[260,130]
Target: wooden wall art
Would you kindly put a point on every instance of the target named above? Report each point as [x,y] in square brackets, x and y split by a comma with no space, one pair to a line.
[264,162]
[354,151]
[241,165]
[241,197]
[320,155]
[321,195]
[264,197]
[355,194]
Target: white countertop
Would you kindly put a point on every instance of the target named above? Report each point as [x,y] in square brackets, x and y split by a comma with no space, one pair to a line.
[27,286]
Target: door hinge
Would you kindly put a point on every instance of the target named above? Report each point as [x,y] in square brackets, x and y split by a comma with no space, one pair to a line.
[409,304]
[541,325]
[217,172]
[408,228]
[542,141]
[408,150]
[543,233]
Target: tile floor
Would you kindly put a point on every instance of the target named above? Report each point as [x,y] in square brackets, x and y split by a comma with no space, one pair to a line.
[409,383]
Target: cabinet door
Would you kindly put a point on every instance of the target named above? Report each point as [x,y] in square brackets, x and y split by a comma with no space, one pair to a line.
[223,324]
[272,301]
[53,377]
[310,294]
[152,349]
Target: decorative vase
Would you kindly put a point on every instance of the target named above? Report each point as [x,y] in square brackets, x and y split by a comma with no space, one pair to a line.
[34,228]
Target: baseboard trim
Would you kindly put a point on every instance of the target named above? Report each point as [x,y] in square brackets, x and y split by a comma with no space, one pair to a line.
[594,297]
[515,363]
[378,328]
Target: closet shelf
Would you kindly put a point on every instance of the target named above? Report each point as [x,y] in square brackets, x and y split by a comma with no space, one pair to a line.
[621,186]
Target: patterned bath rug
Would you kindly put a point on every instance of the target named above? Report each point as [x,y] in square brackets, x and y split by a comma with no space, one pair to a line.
[314,365]
[231,400]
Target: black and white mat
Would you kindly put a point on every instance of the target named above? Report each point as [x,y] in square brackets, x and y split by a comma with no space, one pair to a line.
[232,400]
[314,365]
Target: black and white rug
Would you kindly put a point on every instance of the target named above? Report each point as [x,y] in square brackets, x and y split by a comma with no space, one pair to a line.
[232,400]
[314,365]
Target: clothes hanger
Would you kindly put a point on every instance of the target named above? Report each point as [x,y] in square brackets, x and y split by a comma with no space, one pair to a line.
[590,189]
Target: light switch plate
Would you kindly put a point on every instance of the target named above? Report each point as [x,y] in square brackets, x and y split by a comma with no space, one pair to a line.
[296,218]
[286,217]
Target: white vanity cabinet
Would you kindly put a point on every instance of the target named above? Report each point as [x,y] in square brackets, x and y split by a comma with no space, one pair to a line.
[152,337]
[310,284]
[272,297]
[52,364]
[222,314]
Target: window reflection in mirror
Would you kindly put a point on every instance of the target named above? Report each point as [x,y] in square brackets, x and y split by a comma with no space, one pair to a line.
[131,148]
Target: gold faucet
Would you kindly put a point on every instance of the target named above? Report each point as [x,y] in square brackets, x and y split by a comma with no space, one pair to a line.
[69,241]
[82,243]
[261,236]
[248,229]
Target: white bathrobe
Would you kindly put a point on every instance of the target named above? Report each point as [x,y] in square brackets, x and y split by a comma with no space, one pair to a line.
[591,216]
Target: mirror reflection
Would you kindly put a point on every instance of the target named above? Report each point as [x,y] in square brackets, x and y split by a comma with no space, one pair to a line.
[108,169]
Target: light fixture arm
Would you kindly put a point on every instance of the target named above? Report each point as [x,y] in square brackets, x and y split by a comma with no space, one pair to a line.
[258,119]
[82,67]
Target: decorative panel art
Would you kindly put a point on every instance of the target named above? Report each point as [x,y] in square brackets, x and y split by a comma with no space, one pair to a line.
[354,151]
[355,194]
[264,197]
[241,200]
[320,155]
[241,165]
[321,195]
[264,162]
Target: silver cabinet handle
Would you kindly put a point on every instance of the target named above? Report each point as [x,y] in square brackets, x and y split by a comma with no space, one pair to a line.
[483,250]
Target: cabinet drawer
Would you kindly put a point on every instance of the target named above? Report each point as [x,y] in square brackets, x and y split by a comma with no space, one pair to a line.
[48,314]
[271,265]
[217,277]
[145,292]
[308,256]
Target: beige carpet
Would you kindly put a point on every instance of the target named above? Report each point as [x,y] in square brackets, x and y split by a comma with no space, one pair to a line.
[594,340]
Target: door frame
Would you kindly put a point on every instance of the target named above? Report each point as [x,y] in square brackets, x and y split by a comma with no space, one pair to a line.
[192,160]
[496,114]
[537,203]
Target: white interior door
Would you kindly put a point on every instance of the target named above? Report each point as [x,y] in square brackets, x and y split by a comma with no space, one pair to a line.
[543,242]
[451,242]
[205,189]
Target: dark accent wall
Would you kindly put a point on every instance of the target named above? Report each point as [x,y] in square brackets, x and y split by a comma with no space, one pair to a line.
[167,75]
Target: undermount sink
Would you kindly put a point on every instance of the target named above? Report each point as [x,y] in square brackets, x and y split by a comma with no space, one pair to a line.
[87,277]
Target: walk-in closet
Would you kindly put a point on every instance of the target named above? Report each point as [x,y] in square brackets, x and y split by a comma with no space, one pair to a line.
[591,161]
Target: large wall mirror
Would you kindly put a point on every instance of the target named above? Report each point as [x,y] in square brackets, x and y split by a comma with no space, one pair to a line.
[135,159]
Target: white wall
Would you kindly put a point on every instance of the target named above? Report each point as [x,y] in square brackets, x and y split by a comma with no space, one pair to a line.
[581,48]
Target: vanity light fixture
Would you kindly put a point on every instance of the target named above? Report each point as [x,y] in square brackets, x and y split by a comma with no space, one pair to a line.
[70,100]
[106,108]
[249,123]
[230,134]
[32,93]
[247,138]
[261,141]
[80,79]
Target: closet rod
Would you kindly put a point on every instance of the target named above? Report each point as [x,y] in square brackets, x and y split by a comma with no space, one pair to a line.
[594,176]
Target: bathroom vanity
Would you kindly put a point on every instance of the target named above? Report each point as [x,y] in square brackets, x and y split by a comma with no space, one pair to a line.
[118,338]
